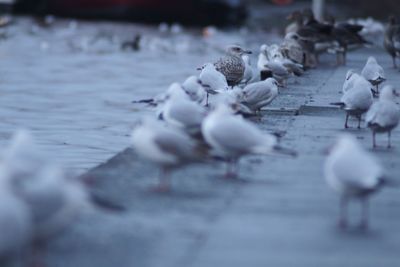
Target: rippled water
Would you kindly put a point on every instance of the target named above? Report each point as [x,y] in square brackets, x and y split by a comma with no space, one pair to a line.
[72,85]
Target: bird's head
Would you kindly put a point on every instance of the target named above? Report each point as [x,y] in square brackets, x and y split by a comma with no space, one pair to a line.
[236,50]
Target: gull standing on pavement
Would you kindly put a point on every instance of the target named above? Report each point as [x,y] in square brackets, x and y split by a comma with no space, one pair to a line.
[292,49]
[212,80]
[354,174]
[168,147]
[384,114]
[356,101]
[260,94]
[180,111]
[232,137]
[373,73]
[232,65]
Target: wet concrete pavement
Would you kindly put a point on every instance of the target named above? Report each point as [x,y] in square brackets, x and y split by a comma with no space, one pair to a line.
[280,213]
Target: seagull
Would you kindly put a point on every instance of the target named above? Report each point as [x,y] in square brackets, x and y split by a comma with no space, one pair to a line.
[356,101]
[232,137]
[392,39]
[354,174]
[373,73]
[262,61]
[169,148]
[260,94]
[279,71]
[232,65]
[292,49]
[53,199]
[384,115]
[212,80]
[180,111]
[193,87]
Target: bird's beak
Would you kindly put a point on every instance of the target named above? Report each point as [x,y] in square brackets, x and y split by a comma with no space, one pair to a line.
[285,151]
[248,52]
[396,94]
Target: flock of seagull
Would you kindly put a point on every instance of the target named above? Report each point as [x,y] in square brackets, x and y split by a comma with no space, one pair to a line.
[205,119]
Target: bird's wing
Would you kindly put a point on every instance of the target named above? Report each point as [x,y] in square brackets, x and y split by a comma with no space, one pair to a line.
[235,134]
[357,170]
[187,113]
[175,143]
[256,93]
[387,115]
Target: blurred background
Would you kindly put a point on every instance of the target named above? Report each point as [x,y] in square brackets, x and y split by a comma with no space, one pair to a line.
[195,12]
[84,61]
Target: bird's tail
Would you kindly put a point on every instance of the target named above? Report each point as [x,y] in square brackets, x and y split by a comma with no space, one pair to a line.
[145,101]
[105,204]
[340,104]
[275,150]
[388,181]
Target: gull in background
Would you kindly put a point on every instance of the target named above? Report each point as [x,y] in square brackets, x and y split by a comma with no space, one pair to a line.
[354,174]
[384,114]
[373,73]
[292,49]
[169,148]
[212,80]
[193,87]
[392,39]
[180,111]
[356,101]
[232,137]
[232,65]
[260,94]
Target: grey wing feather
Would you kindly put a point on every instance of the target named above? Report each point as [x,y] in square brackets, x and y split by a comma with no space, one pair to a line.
[226,135]
[175,143]
[189,114]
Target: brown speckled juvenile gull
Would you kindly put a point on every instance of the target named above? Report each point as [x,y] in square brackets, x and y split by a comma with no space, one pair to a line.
[232,64]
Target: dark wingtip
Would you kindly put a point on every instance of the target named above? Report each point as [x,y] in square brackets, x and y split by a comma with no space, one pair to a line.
[285,151]
[106,204]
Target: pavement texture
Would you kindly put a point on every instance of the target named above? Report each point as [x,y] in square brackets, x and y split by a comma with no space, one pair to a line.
[279,213]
